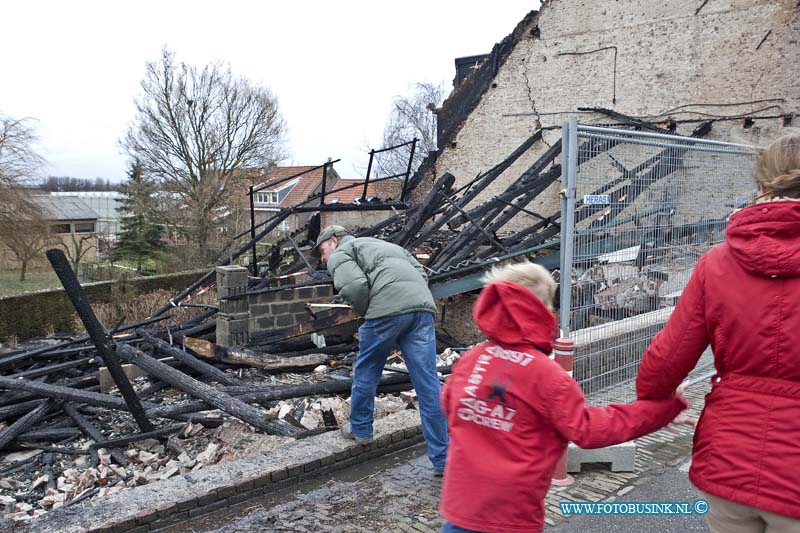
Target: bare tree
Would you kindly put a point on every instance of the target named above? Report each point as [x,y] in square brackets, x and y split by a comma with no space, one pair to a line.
[19,160]
[19,165]
[194,132]
[77,248]
[25,237]
[23,231]
[412,116]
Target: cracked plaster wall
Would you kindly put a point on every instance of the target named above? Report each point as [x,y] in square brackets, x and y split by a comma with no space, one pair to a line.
[666,57]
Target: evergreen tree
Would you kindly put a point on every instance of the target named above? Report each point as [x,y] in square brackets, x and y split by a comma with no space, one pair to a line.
[140,234]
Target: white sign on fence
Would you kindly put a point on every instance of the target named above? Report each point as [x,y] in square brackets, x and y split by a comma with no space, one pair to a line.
[596,199]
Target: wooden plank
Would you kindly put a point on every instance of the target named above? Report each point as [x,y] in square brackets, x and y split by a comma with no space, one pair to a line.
[266,361]
[107,382]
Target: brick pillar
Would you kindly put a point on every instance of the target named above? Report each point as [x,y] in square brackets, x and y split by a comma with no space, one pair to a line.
[233,317]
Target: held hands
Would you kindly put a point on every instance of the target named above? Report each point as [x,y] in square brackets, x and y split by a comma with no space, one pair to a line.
[682,419]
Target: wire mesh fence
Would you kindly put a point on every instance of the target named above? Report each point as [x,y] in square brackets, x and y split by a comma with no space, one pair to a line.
[640,210]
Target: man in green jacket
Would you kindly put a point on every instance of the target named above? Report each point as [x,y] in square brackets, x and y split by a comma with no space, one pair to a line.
[385,284]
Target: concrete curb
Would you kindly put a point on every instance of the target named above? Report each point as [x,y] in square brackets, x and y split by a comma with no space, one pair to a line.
[170,502]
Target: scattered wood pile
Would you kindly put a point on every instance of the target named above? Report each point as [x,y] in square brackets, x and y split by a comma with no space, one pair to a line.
[64,437]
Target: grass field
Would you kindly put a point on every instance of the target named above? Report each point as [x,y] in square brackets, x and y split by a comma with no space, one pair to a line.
[34,281]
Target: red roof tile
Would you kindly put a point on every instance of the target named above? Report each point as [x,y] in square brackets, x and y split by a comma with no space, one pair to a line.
[382,189]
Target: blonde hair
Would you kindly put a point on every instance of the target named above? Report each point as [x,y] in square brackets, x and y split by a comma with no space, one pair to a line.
[533,277]
[778,168]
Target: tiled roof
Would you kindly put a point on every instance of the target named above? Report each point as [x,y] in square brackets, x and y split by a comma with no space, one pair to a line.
[307,184]
[64,208]
[382,189]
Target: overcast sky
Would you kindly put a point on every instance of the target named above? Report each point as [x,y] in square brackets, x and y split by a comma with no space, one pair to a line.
[76,66]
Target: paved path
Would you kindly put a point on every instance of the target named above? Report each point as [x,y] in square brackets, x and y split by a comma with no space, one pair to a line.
[400,494]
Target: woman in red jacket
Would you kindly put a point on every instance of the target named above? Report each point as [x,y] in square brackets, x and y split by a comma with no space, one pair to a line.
[744,300]
[511,410]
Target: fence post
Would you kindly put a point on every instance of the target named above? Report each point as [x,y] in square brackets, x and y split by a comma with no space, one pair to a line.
[563,350]
[569,164]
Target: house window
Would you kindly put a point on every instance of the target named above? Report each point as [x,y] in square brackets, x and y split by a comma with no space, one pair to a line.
[270,198]
[283,226]
[84,227]
[60,228]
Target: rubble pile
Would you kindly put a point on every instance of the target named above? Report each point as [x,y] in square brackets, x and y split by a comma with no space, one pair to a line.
[59,463]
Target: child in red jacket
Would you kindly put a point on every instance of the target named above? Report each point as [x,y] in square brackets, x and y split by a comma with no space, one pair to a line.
[511,410]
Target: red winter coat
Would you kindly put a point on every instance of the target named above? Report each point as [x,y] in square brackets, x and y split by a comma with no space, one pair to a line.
[511,411]
[744,299]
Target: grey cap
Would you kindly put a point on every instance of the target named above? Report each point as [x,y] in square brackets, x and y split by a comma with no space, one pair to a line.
[327,233]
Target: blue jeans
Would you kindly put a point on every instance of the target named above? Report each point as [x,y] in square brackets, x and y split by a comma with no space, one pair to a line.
[414,333]
[452,528]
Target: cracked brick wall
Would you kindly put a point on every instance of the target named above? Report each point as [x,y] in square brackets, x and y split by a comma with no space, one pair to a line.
[640,58]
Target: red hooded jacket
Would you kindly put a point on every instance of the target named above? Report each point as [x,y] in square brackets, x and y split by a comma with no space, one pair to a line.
[744,299]
[511,411]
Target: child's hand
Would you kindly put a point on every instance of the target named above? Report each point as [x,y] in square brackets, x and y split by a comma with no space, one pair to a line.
[682,419]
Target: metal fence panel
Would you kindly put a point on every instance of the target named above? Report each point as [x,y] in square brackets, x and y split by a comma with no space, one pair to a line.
[640,210]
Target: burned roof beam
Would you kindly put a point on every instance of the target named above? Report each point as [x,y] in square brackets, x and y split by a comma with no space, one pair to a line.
[236,408]
[98,335]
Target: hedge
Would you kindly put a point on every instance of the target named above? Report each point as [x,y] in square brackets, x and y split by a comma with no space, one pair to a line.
[36,314]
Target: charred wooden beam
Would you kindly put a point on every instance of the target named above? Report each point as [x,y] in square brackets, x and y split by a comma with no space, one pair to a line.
[209,350]
[98,335]
[124,441]
[92,432]
[80,396]
[517,187]
[14,410]
[60,450]
[47,461]
[477,186]
[492,215]
[491,238]
[64,393]
[26,422]
[268,226]
[12,398]
[266,361]
[249,393]
[49,369]
[212,396]
[55,434]
[189,360]
[423,212]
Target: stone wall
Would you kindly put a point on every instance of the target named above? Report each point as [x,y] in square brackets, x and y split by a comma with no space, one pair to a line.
[244,315]
[638,58]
